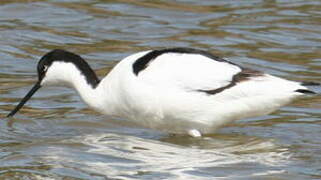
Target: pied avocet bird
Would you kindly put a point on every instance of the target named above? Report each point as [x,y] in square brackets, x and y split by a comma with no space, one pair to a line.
[178,90]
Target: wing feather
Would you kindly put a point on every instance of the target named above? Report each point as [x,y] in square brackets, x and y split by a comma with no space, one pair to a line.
[188,72]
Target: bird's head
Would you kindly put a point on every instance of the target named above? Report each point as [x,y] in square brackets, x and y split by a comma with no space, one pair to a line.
[55,68]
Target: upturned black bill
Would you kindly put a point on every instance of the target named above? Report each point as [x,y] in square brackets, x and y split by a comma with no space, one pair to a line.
[25,99]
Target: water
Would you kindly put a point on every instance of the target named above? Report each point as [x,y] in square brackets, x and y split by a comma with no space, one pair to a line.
[55,136]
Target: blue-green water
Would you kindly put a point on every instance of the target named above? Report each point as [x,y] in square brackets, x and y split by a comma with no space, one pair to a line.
[55,136]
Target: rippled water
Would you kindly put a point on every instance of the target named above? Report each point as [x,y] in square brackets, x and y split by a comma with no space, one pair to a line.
[55,136]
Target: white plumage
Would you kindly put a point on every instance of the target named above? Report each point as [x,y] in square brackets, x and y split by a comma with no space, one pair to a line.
[175,90]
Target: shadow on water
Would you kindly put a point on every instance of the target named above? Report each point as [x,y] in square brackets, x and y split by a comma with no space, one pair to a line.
[58,153]
[77,150]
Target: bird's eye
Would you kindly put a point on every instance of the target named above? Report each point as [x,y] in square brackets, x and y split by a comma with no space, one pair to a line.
[45,68]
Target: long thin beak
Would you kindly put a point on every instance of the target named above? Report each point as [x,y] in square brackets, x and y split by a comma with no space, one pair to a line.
[25,99]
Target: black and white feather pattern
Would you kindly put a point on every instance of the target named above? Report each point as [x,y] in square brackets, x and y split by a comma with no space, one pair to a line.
[179,90]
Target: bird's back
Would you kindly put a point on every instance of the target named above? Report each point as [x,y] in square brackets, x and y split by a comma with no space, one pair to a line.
[177,90]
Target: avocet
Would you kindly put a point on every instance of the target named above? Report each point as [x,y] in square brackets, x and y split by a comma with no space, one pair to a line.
[178,90]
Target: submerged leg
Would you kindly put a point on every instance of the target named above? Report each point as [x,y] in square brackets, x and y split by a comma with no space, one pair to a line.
[194,133]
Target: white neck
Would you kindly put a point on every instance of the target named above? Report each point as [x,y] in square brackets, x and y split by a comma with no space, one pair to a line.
[87,93]
[67,74]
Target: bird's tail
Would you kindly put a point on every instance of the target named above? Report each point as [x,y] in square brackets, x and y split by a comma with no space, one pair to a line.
[310,83]
[313,87]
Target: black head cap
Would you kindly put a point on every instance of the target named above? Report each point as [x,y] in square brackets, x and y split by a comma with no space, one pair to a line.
[44,64]
[65,56]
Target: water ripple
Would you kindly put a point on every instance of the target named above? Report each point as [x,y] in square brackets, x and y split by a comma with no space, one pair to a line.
[56,136]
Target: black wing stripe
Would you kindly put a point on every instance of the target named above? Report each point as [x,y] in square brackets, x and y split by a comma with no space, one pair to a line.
[244,75]
[141,63]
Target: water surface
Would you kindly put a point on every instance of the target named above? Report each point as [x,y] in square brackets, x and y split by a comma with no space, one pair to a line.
[55,136]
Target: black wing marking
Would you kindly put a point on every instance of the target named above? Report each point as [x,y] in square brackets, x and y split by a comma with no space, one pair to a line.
[141,63]
[244,75]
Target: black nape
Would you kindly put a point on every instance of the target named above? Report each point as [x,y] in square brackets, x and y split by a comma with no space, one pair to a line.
[65,56]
